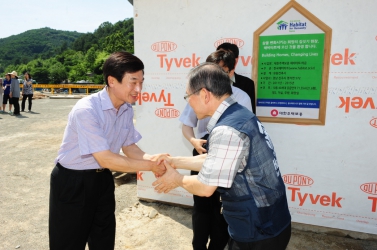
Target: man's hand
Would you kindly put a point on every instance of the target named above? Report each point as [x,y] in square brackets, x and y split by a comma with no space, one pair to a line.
[198,145]
[157,157]
[169,180]
[163,158]
[158,169]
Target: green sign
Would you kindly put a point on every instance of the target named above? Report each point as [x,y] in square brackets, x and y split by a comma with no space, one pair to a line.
[290,67]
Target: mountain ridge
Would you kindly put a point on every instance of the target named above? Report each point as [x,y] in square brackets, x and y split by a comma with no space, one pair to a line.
[36,43]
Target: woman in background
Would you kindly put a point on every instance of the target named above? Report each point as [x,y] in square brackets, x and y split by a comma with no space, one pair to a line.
[27,92]
[14,93]
[6,87]
[1,94]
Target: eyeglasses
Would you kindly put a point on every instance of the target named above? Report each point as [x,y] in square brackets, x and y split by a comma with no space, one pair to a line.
[187,96]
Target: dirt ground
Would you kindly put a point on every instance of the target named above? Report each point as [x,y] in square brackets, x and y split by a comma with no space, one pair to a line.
[28,146]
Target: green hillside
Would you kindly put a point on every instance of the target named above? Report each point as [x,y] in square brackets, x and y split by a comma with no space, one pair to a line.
[53,56]
[39,43]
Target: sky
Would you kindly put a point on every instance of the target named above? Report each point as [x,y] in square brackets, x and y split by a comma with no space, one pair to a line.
[18,16]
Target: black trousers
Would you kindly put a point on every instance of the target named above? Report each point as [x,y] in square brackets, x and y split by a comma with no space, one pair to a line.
[279,242]
[207,221]
[82,206]
[29,98]
[16,105]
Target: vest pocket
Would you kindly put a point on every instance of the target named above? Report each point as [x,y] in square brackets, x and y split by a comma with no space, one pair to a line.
[239,217]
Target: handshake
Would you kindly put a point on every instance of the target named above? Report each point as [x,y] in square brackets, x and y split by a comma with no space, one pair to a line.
[165,172]
[169,178]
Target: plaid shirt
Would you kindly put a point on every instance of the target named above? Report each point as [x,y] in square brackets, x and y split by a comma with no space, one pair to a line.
[228,151]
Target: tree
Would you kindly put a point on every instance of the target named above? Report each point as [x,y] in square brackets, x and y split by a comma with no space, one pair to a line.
[58,73]
[77,72]
[130,46]
[64,47]
[118,42]
[40,74]
[98,79]
[44,43]
[90,58]
[55,56]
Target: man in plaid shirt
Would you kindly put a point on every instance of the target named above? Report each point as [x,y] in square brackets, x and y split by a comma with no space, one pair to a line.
[240,164]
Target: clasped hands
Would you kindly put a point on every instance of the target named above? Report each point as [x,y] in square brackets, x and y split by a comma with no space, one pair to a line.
[167,176]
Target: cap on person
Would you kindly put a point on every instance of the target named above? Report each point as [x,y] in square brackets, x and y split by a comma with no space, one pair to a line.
[13,73]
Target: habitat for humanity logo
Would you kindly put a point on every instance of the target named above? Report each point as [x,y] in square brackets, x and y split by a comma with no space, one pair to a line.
[296,25]
[282,25]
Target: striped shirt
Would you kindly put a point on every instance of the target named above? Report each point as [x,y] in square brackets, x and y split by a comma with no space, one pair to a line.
[94,125]
[228,151]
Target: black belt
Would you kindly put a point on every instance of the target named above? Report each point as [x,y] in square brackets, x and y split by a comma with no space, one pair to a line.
[97,170]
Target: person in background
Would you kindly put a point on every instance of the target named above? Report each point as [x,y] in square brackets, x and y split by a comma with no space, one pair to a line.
[82,199]
[14,93]
[207,221]
[6,87]
[27,92]
[1,95]
[239,81]
[241,164]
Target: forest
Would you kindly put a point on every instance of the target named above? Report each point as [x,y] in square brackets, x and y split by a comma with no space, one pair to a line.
[54,56]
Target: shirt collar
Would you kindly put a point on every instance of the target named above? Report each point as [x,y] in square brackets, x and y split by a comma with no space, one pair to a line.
[107,104]
[233,79]
[219,111]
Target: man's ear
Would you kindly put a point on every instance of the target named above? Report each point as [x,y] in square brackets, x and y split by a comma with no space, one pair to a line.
[111,80]
[235,65]
[207,96]
[231,73]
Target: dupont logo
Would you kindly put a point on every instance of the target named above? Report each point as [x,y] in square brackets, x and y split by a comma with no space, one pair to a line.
[373,122]
[167,113]
[297,180]
[164,46]
[236,41]
[369,188]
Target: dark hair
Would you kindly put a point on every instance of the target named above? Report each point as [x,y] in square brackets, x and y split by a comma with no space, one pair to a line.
[221,55]
[210,76]
[229,47]
[28,74]
[120,63]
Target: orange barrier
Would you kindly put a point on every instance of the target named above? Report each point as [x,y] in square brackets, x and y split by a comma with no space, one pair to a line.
[67,86]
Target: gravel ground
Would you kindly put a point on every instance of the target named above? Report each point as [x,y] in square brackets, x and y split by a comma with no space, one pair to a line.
[28,146]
